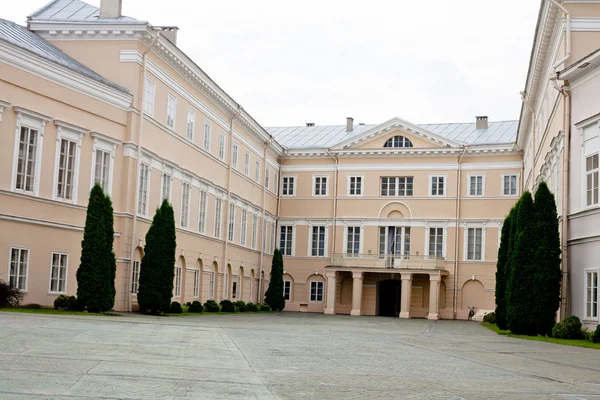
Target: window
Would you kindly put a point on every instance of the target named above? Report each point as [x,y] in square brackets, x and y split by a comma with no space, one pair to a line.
[592,295]
[267,176]
[217,230]
[247,164]
[509,185]
[318,241]
[254,230]
[474,244]
[191,123]
[355,185]
[276,184]
[257,172]
[19,262]
[171,111]
[58,273]
[26,164]
[243,228]
[166,188]
[66,169]
[396,186]
[211,286]
[222,146]
[234,157]
[196,282]
[320,185]
[436,242]
[185,204]
[102,169]
[207,136]
[143,189]
[288,186]
[353,241]
[149,99]
[231,224]
[202,212]
[398,141]
[394,241]
[591,175]
[286,239]
[135,277]
[272,238]
[177,281]
[316,291]
[476,185]
[437,185]
[234,289]
[287,290]
[226,286]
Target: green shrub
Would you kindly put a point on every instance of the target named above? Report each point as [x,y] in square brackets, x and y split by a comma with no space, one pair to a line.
[32,306]
[10,295]
[252,307]
[195,307]
[274,294]
[241,306]
[570,328]
[595,336]
[184,308]
[176,308]
[69,303]
[490,318]
[227,306]
[211,306]
[265,307]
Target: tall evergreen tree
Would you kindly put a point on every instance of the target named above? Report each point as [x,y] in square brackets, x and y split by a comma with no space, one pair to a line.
[501,267]
[157,269]
[274,295]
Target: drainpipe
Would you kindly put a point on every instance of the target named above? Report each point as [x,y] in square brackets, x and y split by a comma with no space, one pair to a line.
[525,101]
[228,182]
[456,235]
[264,233]
[142,98]
[278,225]
[567,36]
[335,188]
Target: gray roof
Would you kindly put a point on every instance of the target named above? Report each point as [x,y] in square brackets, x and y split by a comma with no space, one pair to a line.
[302,137]
[72,10]
[21,37]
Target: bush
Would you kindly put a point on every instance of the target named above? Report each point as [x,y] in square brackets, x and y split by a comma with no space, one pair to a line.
[227,306]
[211,306]
[595,336]
[274,295]
[176,308]
[265,307]
[10,296]
[241,306]
[195,307]
[252,307]
[32,306]
[490,318]
[570,328]
[68,303]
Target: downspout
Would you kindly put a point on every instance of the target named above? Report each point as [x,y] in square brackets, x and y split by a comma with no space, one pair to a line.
[278,225]
[456,235]
[228,182]
[568,34]
[533,152]
[264,225]
[142,98]
[335,189]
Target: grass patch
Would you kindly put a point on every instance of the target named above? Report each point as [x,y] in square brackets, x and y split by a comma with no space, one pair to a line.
[188,314]
[55,312]
[567,342]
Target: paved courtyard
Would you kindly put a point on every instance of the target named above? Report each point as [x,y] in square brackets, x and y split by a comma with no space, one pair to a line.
[286,355]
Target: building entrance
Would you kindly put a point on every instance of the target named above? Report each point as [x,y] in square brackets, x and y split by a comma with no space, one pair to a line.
[388,298]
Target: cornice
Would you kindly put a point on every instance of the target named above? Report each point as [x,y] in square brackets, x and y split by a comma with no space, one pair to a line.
[508,149]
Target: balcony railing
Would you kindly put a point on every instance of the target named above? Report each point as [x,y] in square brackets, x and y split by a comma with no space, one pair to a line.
[405,261]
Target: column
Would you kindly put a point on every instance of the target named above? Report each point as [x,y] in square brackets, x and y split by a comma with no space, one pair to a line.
[330,304]
[357,282]
[406,294]
[434,296]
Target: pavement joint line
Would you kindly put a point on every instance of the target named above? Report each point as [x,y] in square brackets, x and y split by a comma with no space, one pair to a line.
[73,396]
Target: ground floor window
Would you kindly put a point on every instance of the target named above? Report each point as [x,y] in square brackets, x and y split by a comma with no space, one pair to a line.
[287,290]
[592,295]
[196,282]
[316,291]
[19,262]
[135,277]
[234,290]
[177,281]
[212,285]
[58,275]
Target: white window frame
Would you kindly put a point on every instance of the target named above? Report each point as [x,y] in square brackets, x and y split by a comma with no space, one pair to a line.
[285,235]
[135,277]
[222,142]
[360,187]
[20,249]
[396,182]
[207,136]
[171,111]
[184,216]
[147,189]
[288,296]
[202,211]
[285,186]
[428,238]
[211,285]
[150,95]
[177,288]
[586,300]
[234,156]
[322,289]
[466,243]
[267,177]
[75,137]
[272,237]
[254,242]
[310,247]
[276,184]
[66,269]
[196,283]
[169,177]
[190,127]
[502,177]
[360,241]
[218,218]
[257,171]
[475,176]
[231,223]
[247,164]
[445,185]
[243,227]
[105,144]
[314,183]
[592,172]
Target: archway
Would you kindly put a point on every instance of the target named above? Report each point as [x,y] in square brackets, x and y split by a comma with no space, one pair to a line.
[472,294]
[388,297]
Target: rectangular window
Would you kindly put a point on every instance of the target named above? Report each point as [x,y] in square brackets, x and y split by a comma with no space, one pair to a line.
[257,172]
[66,169]
[436,241]
[286,239]
[243,227]
[288,186]
[254,230]
[207,128]
[19,263]
[149,99]
[320,185]
[226,286]
[191,123]
[382,246]
[267,176]
[396,186]
[58,274]
[143,189]
[196,282]
[166,188]
[211,286]
[474,243]
[231,224]
[102,169]
[222,146]
[247,164]
[171,111]
[510,185]
[272,238]
[476,185]
[135,277]
[185,204]
[353,241]
[355,186]
[592,295]
[276,184]
[318,241]
[28,140]
[591,175]
[287,290]
[177,281]
[316,291]
[202,212]
[437,185]
[217,230]
[234,157]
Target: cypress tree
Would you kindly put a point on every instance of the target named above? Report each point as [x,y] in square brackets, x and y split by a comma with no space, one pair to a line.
[501,267]
[169,238]
[274,295]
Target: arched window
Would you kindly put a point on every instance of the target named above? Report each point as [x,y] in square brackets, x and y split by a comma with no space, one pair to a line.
[398,141]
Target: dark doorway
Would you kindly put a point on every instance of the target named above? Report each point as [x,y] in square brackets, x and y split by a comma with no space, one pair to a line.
[388,298]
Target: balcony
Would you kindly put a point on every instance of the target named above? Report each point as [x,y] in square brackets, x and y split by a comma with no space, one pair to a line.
[391,261]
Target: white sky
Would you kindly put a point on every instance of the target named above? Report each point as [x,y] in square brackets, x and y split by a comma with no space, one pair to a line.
[289,63]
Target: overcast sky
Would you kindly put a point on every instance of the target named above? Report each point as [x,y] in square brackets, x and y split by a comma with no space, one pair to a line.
[289,63]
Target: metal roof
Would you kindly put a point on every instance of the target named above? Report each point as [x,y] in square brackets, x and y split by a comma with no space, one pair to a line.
[302,137]
[72,10]
[21,37]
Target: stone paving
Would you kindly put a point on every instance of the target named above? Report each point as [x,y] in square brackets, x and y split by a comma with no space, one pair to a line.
[287,355]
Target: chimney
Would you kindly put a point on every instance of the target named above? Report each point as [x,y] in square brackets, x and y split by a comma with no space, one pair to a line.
[481,122]
[310,124]
[349,124]
[110,9]
[170,32]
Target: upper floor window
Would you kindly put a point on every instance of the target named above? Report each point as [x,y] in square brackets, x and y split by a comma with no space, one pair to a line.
[318,241]
[267,176]
[396,185]
[247,164]
[165,193]
[142,207]
[276,184]
[234,156]
[185,204]
[475,244]
[286,239]
[288,186]
[171,111]
[191,123]
[202,211]
[207,129]
[591,176]
[476,185]
[222,146]
[509,185]
[27,159]
[149,97]
[355,184]
[398,141]
[257,172]
[320,185]
[243,227]
[231,223]
[437,185]
[66,169]
[102,169]
[217,227]
[254,231]
[436,242]
[353,241]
